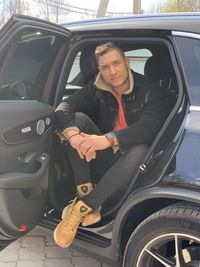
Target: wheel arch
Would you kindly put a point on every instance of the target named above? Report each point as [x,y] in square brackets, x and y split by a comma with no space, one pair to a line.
[141,205]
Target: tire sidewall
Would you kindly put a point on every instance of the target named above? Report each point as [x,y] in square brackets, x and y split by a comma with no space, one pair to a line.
[153,227]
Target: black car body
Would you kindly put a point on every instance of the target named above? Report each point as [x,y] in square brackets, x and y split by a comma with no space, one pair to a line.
[156,221]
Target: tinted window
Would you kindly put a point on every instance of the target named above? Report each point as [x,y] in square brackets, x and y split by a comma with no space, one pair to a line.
[25,65]
[190,55]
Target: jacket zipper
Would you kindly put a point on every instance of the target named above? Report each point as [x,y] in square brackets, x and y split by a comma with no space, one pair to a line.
[114,122]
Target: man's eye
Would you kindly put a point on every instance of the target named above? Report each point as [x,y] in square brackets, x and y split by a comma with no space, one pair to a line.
[115,63]
[104,67]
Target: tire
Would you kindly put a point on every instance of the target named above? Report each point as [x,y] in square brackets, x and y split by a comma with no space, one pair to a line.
[169,237]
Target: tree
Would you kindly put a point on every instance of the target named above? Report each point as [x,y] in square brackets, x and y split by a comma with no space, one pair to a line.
[52,10]
[11,7]
[181,6]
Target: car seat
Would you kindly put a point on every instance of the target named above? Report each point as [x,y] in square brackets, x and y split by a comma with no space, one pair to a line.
[158,69]
[88,65]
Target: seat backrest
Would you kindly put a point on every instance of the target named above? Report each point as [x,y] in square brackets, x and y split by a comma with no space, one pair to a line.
[88,65]
[155,69]
[159,69]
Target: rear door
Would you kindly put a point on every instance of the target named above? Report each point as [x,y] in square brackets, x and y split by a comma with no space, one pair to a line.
[31,57]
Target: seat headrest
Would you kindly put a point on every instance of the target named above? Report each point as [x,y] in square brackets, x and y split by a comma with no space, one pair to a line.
[154,69]
[88,65]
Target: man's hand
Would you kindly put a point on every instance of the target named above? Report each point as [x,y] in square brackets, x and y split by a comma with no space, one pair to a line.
[75,139]
[91,144]
[75,142]
[86,144]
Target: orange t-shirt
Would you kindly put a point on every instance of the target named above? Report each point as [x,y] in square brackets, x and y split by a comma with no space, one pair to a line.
[121,121]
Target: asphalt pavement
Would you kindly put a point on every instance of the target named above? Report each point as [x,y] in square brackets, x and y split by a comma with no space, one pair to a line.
[37,249]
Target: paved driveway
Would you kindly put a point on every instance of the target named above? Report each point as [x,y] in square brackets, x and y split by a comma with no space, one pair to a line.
[37,249]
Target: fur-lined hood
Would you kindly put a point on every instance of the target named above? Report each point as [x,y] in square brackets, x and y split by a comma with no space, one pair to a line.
[103,85]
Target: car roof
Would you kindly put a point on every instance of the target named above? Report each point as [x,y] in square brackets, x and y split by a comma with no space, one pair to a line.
[186,22]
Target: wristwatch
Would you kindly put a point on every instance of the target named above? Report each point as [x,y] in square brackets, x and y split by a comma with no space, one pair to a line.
[110,137]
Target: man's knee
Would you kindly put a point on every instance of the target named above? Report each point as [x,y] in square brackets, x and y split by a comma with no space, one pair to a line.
[85,124]
[136,154]
[80,118]
[139,150]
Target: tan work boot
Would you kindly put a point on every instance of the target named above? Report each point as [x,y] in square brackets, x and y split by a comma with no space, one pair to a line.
[91,218]
[66,230]
[82,190]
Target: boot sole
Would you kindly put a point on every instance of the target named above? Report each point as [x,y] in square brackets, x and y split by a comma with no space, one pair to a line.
[55,239]
[96,221]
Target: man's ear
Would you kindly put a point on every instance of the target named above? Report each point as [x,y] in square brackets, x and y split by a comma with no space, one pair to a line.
[127,60]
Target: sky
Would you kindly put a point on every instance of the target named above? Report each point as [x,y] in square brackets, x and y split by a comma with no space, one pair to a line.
[114,5]
[124,6]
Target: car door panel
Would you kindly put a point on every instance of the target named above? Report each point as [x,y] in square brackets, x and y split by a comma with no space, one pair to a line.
[30,64]
[25,138]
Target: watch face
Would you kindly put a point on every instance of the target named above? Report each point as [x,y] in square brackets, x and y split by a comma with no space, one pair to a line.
[110,135]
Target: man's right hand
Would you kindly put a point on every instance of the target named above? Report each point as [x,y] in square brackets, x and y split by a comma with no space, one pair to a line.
[75,139]
[75,142]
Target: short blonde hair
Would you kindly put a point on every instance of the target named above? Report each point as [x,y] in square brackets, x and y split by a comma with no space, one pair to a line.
[106,47]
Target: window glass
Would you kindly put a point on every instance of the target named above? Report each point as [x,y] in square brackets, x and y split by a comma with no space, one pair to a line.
[190,56]
[25,65]
[75,70]
[138,59]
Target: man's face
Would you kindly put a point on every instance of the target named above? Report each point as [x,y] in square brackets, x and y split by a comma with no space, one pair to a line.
[114,69]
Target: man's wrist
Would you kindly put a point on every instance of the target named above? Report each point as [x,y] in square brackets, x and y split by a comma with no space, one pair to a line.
[71,136]
[68,134]
[111,138]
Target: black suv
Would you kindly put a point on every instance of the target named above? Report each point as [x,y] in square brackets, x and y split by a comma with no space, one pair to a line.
[156,220]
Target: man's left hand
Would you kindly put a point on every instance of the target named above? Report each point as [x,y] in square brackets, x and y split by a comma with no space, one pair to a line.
[92,144]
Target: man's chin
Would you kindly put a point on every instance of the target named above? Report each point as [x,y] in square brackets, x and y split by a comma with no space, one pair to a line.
[116,84]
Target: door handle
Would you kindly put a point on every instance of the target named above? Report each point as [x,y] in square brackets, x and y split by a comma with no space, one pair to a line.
[25,180]
[27,157]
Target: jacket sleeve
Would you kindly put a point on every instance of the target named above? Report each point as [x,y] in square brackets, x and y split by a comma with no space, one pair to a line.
[145,129]
[80,101]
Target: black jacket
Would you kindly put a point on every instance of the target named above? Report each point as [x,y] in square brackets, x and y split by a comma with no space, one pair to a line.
[144,110]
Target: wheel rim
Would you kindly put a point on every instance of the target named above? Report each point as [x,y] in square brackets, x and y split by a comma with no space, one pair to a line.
[171,250]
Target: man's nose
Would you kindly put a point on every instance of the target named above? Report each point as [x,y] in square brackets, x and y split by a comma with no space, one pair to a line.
[112,70]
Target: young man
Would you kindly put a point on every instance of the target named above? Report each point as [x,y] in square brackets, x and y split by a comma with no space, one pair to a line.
[108,126]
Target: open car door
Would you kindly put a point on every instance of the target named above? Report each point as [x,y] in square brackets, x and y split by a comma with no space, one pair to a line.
[31,57]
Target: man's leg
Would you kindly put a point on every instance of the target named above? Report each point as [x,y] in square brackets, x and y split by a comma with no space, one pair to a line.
[80,167]
[118,176]
[78,211]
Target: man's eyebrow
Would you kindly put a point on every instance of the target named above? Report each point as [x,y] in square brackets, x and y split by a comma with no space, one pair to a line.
[113,61]
[103,65]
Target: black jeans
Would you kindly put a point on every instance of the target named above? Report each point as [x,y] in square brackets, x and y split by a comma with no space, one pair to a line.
[109,171]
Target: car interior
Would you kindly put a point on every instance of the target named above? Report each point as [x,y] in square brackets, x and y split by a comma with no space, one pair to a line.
[151,63]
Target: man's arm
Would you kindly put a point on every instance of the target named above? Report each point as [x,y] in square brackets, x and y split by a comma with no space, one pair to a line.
[80,101]
[145,129]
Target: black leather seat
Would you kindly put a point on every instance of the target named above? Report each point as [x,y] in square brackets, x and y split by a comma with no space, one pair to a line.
[159,69]
[88,65]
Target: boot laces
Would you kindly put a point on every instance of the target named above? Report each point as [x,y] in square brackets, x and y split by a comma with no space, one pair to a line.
[74,218]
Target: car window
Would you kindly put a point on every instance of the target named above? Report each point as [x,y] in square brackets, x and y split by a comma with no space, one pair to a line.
[138,59]
[190,55]
[75,70]
[25,64]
